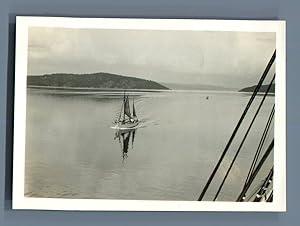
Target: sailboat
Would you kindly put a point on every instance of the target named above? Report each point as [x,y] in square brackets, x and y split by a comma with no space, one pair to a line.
[126,120]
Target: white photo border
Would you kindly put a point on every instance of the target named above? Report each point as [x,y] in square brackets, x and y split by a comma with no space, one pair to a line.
[22,26]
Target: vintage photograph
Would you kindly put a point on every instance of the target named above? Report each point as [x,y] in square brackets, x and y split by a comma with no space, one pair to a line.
[149,111]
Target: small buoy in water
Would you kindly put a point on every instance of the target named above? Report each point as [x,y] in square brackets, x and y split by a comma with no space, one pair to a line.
[206,97]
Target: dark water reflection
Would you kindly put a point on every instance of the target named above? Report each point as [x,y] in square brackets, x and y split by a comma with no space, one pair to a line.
[124,138]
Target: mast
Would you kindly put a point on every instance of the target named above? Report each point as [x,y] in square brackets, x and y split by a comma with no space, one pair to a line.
[124,106]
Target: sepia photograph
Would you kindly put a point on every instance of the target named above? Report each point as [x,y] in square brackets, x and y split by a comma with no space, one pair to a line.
[149,114]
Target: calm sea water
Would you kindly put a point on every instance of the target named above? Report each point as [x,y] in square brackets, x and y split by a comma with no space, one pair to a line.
[72,151]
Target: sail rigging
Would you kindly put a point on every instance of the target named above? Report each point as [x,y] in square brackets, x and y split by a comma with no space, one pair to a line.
[257,168]
[133,109]
[127,107]
[120,115]
[126,120]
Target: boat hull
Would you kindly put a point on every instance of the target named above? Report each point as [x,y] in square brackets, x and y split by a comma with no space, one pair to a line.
[127,125]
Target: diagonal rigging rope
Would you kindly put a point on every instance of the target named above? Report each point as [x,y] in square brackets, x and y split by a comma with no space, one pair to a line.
[255,190]
[238,125]
[263,189]
[261,144]
[256,170]
[244,138]
[257,154]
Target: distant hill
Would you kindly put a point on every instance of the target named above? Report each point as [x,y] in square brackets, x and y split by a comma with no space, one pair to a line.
[194,87]
[263,88]
[95,80]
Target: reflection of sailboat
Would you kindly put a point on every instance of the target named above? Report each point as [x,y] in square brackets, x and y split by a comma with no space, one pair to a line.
[124,139]
[126,120]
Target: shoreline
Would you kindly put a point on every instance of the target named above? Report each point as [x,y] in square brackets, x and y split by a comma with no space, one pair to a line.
[118,90]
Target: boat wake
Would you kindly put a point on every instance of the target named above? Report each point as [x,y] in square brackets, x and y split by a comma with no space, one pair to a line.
[142,124]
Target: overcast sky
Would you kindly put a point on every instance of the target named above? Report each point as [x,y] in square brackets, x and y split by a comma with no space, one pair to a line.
[228,59]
